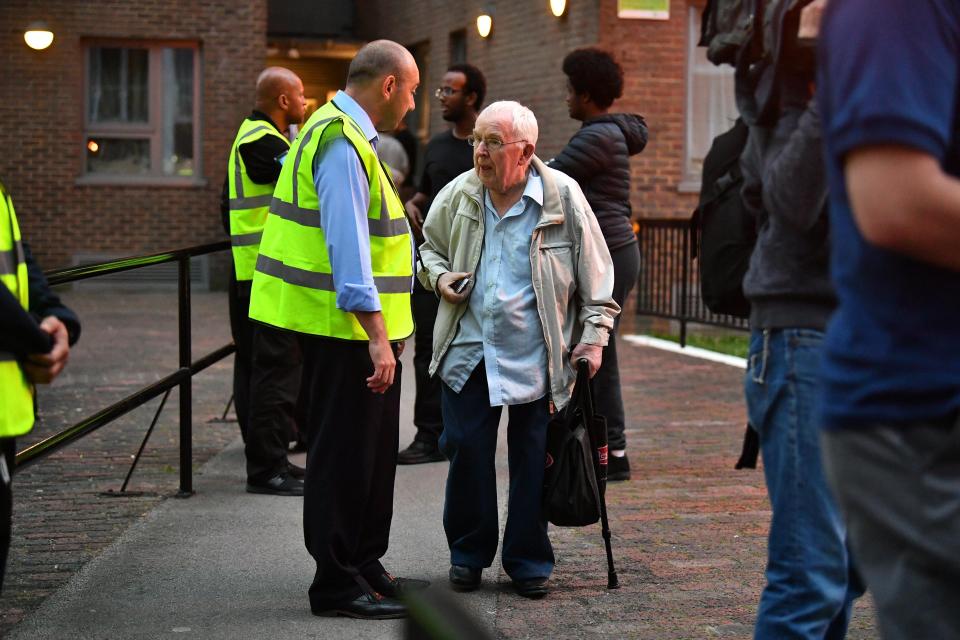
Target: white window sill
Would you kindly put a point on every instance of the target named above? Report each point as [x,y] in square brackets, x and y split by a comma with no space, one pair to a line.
[141,181]
[689,186]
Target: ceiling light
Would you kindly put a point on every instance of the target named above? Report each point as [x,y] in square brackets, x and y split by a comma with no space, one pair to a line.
[558,7]
[484,24]
[38,36]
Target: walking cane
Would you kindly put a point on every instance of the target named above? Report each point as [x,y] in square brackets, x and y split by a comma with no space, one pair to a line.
[597,431]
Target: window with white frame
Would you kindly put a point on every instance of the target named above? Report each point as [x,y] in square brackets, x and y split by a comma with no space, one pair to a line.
[711,105]
[141,111]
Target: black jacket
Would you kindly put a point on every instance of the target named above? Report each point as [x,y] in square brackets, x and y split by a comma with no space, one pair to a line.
[19,330]
[598,158]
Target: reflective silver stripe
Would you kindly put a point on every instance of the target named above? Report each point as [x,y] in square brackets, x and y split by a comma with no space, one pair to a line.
[6,356]
[237,178]
[296,161]
[253,202]
[324,281]
[8,263]
[293,213]
[246,239]
[262,127]
[382,228]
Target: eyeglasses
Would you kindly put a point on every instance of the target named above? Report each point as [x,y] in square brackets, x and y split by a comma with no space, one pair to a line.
[492,144]
[446,92]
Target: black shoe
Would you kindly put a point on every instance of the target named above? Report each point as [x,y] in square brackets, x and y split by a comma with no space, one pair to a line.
[296,470]
[393,587]
[618,468]
[532,588]
[366,607]
[420,452]
[464,578]
[282,484]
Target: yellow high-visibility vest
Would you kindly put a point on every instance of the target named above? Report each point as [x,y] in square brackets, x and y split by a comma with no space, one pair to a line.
[249,201]
[16,392]
[293,282]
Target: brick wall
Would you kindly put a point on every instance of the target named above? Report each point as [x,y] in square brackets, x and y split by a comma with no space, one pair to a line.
[522,62]
[41,122]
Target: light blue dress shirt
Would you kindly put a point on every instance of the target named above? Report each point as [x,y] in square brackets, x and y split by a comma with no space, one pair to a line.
[501,325]
[344,196]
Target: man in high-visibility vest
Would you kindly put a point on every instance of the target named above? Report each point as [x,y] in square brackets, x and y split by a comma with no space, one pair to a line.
[336,266]
[267,365]
[36,331]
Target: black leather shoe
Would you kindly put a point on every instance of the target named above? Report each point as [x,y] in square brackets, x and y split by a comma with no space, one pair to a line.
[366,607]
[419,453]
[618,468]
[531,588]
[394,587]
[296,470]
[464,578]
[282,484]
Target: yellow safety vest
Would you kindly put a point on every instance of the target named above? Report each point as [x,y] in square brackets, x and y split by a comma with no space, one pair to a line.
[293,283]
[16,393]
[249,201]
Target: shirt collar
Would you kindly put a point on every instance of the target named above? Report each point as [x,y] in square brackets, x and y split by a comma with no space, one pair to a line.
[353,109]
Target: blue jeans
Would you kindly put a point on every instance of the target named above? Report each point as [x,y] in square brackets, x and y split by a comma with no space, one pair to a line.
[470,513]
[811,582]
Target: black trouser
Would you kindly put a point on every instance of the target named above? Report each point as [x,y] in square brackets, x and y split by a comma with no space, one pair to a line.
[427,415]
[8,449]
[238,296]
[352,439]
[274,388]
[605,385]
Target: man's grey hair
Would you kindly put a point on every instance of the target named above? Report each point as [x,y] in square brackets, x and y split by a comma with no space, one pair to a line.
[377,59]
[521,119]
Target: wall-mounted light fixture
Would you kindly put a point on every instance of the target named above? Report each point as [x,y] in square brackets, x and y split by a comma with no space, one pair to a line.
[38,36]
[485,22]
[558,7]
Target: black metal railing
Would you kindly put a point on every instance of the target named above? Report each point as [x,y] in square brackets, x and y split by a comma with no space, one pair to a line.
[669,285]
[181,378]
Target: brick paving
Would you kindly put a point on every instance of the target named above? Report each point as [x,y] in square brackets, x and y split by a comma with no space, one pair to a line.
[62,518]
[689,531]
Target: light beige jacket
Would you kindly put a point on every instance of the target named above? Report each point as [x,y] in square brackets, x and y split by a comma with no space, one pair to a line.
[571,268]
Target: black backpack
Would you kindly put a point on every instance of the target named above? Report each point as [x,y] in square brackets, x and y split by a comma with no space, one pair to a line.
[724,230]
[726,27]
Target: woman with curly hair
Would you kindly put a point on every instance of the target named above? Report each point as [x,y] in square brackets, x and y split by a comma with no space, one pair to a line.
[598,158]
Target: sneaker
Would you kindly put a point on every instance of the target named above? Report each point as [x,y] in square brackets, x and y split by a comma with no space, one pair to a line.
[618,468]
[282,484]
[419,453]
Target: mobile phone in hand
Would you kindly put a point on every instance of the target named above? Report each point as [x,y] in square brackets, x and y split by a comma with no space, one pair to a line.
[461,285]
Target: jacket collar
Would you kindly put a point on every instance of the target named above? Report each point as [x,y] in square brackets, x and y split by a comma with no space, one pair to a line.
[552,210]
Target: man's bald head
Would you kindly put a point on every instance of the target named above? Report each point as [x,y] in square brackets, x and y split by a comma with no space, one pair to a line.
[280,95]
[379,59]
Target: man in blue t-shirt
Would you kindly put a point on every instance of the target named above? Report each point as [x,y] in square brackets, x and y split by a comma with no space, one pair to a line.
[888,89]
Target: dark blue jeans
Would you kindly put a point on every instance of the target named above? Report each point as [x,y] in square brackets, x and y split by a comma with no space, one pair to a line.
[811,583]
[470,516]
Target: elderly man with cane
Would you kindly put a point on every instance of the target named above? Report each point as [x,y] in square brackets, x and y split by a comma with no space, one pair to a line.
[526,282]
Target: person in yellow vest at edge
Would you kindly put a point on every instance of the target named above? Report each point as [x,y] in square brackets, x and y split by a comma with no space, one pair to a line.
[267,365]
[336,266]
[36,331]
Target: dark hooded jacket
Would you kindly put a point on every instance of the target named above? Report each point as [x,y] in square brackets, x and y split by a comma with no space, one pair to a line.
[598,158]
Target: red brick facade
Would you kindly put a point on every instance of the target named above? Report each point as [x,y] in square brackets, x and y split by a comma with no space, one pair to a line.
[522,62]
[42,116]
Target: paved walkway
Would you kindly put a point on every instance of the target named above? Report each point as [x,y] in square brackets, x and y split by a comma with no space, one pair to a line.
[689,531]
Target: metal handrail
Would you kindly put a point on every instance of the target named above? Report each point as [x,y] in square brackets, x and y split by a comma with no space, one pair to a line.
[669,282]
[181,378]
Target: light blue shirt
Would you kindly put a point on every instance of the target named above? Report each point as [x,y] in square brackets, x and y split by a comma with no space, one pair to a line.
[501,325]
[343,193]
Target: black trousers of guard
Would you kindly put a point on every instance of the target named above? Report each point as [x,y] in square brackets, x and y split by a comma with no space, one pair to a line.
[276,364]
[8,449]
[352,440]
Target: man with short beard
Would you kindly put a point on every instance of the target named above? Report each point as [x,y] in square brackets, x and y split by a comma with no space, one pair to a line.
[448,154]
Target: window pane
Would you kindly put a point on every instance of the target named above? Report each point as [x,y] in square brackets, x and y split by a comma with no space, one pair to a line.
[118,85]
[177,133]
[118,156]
[711,101]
